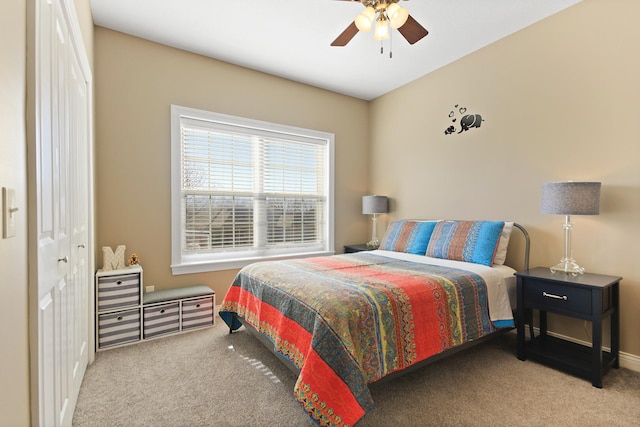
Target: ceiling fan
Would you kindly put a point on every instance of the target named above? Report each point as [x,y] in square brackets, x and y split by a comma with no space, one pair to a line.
[384,13]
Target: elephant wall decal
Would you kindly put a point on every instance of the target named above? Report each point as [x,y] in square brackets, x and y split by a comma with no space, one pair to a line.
[467,121]
[470,121]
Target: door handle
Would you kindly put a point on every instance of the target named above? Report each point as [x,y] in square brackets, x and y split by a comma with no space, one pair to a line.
[65,259]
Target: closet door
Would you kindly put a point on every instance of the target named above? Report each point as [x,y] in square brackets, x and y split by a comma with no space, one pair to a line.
[80,277]
[62,170]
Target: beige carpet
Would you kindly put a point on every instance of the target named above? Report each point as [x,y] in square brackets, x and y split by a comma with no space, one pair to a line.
[211,378]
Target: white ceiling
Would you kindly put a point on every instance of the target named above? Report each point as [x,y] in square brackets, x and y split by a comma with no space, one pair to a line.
[291,38]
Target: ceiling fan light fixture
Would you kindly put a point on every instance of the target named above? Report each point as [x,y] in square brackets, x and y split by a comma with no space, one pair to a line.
[397,15]
[382,29]
[364,21]
[387,15]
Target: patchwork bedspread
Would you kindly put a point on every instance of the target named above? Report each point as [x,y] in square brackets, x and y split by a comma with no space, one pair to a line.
[349,320]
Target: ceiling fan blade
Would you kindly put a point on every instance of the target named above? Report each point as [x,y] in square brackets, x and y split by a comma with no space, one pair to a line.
[346,35]
[412,30]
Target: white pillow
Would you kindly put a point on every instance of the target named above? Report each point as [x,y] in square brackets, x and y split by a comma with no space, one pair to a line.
[503,243]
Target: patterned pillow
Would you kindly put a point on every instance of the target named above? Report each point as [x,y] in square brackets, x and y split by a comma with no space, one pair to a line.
[408,236]
[469,241]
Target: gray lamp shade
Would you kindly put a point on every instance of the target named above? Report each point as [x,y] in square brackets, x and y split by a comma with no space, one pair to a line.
[374,204]
[571,198]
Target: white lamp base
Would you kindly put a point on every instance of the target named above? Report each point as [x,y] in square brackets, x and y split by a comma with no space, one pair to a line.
[374,242]
[567,266]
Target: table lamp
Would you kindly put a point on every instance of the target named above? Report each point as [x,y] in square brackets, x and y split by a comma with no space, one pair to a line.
[570,198]
[374,205]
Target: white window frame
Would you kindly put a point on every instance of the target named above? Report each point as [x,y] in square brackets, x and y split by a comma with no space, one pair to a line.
[182,263]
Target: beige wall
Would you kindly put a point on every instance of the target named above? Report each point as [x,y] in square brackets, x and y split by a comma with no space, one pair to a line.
[560,102]
[137,81]
[14,366]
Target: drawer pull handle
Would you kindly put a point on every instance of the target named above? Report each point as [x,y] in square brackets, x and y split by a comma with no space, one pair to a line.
[563,297]
[162,311]
[197,305]
[119,282]
[119,317]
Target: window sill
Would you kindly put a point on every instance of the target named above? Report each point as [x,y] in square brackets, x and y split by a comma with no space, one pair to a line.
[231,264]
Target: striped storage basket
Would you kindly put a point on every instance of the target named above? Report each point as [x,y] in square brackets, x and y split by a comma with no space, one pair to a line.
[197,313]
[118,328]
[161,319]
[118,291]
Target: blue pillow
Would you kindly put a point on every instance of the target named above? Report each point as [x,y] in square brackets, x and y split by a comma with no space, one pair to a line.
[469,241]
[411,237]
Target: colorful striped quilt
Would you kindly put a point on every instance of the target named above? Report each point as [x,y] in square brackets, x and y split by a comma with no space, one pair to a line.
[349,320]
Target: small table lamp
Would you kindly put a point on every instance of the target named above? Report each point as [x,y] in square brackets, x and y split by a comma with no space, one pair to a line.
[570,198]
[374,205]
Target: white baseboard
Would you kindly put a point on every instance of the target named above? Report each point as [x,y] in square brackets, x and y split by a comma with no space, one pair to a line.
[627,360]
[630,361]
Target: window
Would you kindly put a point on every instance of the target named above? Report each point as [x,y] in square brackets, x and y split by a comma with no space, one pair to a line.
[244,191]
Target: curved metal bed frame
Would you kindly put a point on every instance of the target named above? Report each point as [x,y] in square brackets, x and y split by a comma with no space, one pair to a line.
[527,244]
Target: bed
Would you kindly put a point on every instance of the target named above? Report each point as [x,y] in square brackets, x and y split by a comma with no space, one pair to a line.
[345,321]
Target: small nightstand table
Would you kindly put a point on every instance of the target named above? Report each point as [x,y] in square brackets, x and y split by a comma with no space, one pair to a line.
[349,249]
[592,297]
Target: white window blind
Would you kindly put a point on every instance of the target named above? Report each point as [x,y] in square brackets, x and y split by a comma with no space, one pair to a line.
[248,190]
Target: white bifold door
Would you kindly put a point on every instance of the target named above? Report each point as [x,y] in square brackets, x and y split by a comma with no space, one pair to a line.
[61,238]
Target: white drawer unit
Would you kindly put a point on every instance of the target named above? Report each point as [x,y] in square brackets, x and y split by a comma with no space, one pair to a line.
[196,305]
[118,307]
[124,315]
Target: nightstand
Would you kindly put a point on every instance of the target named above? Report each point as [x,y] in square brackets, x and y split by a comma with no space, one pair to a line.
[591,297]
[349,249]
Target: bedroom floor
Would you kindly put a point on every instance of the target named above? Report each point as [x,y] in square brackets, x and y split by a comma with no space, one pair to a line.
[211,378]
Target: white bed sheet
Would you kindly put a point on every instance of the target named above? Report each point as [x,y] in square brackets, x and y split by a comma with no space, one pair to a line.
[500,280]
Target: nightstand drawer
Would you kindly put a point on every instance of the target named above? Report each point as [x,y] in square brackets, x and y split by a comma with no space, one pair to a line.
[559,298]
